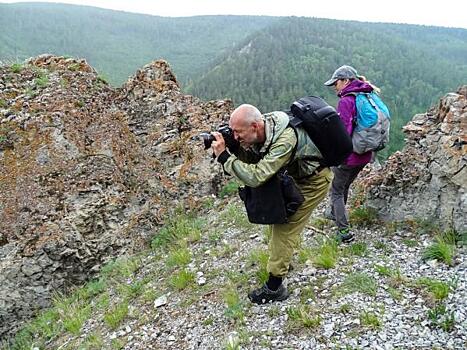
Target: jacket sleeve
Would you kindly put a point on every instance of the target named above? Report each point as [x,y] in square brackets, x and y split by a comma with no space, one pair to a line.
[347,111]
[256,174]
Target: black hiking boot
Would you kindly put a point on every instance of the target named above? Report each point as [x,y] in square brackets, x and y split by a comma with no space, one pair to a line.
[344,236]
[264,295]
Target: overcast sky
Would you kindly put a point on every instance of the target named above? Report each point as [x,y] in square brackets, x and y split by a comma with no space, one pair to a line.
[446,13]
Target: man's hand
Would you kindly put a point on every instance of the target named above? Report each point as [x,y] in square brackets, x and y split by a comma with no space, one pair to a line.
[218,146]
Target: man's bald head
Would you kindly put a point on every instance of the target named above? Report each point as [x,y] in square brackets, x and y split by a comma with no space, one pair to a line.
[245,115]
[247,124]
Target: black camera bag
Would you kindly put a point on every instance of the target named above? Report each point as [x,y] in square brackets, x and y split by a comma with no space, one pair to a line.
[273,201]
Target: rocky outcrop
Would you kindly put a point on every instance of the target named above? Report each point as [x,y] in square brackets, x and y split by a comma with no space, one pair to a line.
[428,179]
[88,172]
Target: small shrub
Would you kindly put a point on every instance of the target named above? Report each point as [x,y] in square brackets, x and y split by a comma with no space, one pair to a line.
[274,311]
[103,301]
[79,104]
[133,289]
[121,268]
[74,67]
[91,289]
[395,293]
[319,223]
[267,234]
[232,343]
[103,79]
[237,277]
[73,313]
[46,326]
[396,278]
[380,245]
[427,227]
[305,254]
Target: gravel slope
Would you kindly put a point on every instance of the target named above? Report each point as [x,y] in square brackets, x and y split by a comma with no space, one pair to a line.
[371,299]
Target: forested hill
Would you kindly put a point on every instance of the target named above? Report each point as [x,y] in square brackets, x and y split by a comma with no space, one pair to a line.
[413,65]
[266,61]
[118,43]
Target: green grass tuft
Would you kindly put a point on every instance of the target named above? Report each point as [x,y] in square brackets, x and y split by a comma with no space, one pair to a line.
[260,258]
[234,305]
[114,317]
[230,189]
[302,316]
[370,320]
[179,257]
[182,279]
[359,282]
[439,290]
[440,250]
[179,227]
[362,216]
[326,254]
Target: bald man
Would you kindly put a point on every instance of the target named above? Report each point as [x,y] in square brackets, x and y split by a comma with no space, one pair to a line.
[268,144]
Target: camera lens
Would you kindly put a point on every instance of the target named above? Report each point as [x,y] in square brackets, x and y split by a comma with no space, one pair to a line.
[208,139]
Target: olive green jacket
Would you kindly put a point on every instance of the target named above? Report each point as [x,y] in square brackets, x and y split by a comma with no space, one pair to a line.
[256,165]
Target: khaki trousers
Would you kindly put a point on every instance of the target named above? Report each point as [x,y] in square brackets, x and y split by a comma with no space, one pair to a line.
[285,238]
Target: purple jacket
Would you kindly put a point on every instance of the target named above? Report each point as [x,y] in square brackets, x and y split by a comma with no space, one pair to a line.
[347,112]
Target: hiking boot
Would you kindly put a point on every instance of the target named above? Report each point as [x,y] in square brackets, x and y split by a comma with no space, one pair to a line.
[264,295]
[344,236]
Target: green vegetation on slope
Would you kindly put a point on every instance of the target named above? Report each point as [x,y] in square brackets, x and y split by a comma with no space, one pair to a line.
[294,57]
[118,43]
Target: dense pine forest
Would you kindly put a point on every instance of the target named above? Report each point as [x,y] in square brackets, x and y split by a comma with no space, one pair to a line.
[118,43]
[265,61]
[296,55]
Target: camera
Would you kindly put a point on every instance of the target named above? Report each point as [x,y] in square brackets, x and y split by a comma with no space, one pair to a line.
[227,134]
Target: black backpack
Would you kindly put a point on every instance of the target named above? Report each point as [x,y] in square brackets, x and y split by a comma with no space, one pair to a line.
[325,128]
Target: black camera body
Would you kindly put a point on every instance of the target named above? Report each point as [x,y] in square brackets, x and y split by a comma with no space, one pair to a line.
[227,134]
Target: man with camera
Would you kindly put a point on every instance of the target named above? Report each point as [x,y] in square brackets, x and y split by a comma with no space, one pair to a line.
[262,145]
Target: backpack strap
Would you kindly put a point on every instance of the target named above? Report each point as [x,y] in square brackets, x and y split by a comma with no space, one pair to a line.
[295,122]
[372,102]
